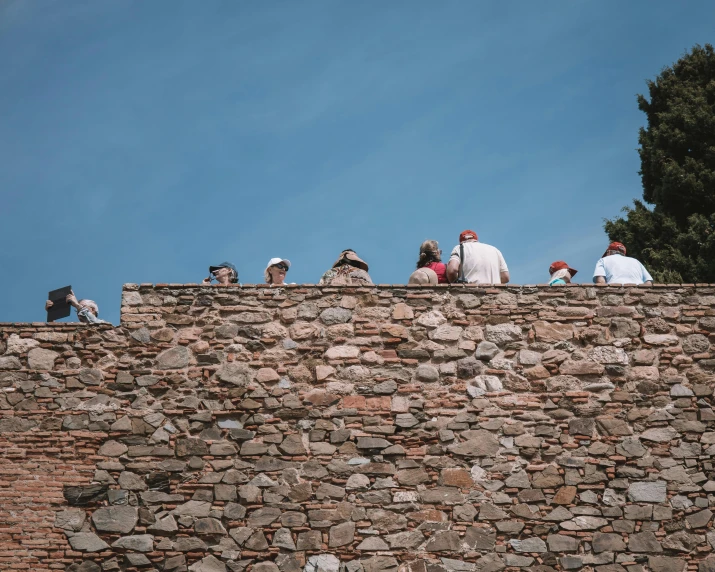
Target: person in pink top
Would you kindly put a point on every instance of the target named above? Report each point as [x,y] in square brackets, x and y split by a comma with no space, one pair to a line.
[431,257]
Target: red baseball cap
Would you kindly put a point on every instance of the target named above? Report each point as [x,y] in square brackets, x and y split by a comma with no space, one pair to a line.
[561,265]
[616,246]
[467,234]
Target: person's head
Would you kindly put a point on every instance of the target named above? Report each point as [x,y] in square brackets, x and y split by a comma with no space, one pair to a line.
[276,270]
[429,252]
[91,305]
[225,273]
[468,236]
[615,248]
[560,269]
[349,257]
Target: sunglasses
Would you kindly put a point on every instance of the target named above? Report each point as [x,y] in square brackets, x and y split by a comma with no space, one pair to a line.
[282,267]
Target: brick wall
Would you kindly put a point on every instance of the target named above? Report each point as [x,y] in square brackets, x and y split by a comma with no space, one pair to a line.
[364,429]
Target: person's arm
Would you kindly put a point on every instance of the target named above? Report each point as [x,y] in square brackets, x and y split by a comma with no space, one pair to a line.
[90,317]
[503,269]
[647,278]
[72,300]
[599,273]
[452,270]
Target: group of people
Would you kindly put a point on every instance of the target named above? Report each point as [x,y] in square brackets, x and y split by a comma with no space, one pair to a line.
[470,262]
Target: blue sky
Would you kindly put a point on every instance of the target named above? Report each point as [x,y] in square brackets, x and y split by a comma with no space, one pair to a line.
[142,141]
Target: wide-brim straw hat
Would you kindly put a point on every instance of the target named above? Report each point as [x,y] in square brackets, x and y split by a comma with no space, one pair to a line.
[423,276]
[350,255]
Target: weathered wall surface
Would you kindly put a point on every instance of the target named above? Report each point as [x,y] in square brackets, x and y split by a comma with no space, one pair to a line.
[448,428]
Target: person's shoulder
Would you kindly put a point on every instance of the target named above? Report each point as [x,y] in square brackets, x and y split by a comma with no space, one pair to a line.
[488,247]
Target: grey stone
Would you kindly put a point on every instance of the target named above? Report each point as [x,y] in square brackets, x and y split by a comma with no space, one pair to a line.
[265,566]
[16,425]
[534,544]
[486,351]
[443,541]
[666,564]
[582,426]
[372,443]
[603,542]
[696,343]
[647,491]
[283,539]
[10,363]
[209,526]
[503,333]
[42,359]
[138,543]
[679,390]
[584,523]
[173,358]
[341,534]
[323,563]
[131,482]
[481,444]
[372,543]
[235,373]
[477,538]
[406,540]
[87,542]
[682,541]
[608,355]
[70,519]
[332,316]
[263,516]
[208,564]
[699,519]
[562,543]
[427,373]
[644,542]
[660,434]
[707,564]
[164,524]
[292,445]
[309,540]
[121,519]
[193,508]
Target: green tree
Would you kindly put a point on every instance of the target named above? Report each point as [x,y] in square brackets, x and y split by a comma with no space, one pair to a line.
[675,237]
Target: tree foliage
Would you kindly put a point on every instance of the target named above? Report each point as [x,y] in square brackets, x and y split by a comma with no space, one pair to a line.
[675,237]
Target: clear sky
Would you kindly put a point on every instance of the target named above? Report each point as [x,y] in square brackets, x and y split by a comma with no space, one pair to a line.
[142,141]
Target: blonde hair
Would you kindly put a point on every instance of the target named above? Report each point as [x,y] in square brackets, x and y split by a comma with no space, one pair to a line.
[429,252]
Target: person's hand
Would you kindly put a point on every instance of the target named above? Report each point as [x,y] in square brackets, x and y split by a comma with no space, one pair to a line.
[206,281]
[70,299]
[48,304]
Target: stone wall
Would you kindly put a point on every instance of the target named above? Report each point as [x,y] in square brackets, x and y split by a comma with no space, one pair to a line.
[364,429]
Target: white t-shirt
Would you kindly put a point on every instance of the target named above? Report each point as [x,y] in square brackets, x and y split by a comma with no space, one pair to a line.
[482,262]
[619,269]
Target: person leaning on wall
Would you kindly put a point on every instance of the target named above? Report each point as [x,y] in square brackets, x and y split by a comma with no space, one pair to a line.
[224,273]
[474,262]
[87,310]
[431,259]
[349,269]
[614,267]
[276,271]
[560,273]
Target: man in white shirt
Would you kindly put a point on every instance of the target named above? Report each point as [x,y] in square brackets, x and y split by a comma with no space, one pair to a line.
[481,263]
[614,267]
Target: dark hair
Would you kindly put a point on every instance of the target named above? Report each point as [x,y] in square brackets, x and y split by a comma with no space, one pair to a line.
[429,252]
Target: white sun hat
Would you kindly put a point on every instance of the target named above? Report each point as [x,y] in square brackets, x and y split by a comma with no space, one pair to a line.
[273,262]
